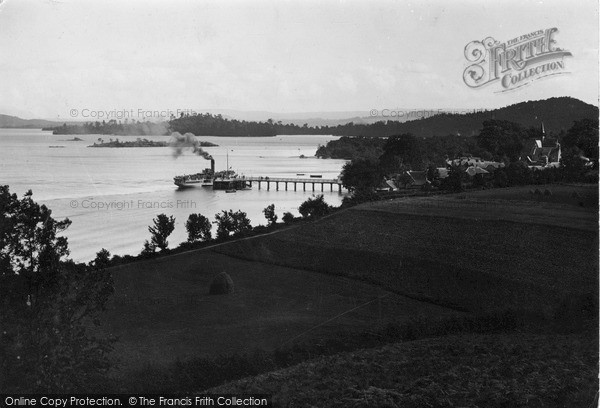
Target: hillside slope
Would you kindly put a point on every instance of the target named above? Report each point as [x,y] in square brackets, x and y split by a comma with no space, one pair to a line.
[556,114]
[371,267]
[7,121]
[454,371]
[476,252]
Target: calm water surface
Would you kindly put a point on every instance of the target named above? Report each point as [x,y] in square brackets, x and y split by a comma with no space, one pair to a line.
[112,194]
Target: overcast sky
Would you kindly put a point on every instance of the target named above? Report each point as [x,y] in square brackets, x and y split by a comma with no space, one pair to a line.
[284,56]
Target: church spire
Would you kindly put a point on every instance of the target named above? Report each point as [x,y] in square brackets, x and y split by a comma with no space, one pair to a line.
[543,132]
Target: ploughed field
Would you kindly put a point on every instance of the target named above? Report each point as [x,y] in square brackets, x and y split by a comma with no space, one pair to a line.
[359,270]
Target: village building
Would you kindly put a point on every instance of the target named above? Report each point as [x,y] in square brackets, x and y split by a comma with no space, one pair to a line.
[417,178]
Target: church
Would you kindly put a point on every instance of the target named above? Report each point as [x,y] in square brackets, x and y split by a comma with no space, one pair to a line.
[541,153]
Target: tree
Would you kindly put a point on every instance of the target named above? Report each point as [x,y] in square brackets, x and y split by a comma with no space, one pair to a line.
[518,173]
[314,206]
[102,259]
[572,164]
[47,304]
[270,215]
[433,175]
[455,180]
[229,222]
[584,136]
[288,217]
[361,174]
[198,228]
[148,250]
[402,150]
[402,178]
[224,224]
[502,139]
[163,227]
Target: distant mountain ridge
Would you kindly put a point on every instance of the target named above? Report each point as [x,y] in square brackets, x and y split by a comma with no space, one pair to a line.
[332,118]
[556,113]
[7,121]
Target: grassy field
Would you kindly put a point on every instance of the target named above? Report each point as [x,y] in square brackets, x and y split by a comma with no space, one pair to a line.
[361,269]
[162,312]
[454,371]
[473,252]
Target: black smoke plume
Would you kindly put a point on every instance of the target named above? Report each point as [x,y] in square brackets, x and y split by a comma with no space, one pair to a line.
[179,143]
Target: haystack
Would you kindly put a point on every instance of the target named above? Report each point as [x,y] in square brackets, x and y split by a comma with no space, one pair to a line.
[547,192]
[537,191]
[222,284]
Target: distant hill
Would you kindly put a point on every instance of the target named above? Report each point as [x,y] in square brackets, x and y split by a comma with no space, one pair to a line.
[556,114]
[7,121]
[325,118]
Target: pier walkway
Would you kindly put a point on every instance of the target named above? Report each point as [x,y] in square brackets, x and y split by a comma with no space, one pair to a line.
[295,181]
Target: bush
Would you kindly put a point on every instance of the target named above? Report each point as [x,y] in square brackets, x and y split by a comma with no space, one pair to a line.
[314,207]
[360,196]
[288,217]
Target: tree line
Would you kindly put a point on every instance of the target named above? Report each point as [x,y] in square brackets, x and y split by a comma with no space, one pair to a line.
[229,224]
[557,114]
[112,127]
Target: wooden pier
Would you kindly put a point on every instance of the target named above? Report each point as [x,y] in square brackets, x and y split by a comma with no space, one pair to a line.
[284,182]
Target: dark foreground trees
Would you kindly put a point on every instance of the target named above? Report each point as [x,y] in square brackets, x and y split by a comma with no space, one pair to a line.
[198,228]
[269,212]
[163,227]
[230,222]
[47,304]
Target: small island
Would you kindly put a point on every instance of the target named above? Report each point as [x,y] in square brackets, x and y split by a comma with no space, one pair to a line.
[75,139]
[139,142]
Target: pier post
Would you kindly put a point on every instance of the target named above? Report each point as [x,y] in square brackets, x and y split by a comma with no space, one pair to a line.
[259,185]
[277,186]
[268,185]
[294,186]
[313,186]
[286,186]
[322,187]
[303,186]
[330,186]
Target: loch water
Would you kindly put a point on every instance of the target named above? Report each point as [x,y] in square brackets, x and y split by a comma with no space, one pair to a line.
[111,195]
